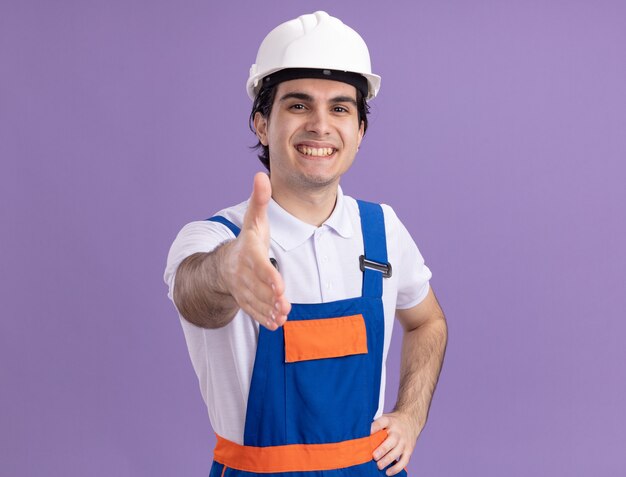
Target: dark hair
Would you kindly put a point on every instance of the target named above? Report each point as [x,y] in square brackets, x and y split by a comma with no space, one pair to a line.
[263,104]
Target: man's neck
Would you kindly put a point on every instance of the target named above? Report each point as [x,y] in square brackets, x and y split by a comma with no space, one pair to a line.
[310,206]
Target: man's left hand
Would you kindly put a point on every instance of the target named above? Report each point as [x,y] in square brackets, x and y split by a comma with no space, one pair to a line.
[402,433]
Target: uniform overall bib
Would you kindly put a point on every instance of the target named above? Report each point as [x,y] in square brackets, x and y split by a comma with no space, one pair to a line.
[316,382]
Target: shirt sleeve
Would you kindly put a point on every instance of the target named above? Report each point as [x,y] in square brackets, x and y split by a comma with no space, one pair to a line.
[199,236]
[413,274]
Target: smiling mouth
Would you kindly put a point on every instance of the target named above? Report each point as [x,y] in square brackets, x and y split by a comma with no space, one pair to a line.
[316,151]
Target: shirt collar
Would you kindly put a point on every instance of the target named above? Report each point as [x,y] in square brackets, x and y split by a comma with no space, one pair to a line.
[290,232]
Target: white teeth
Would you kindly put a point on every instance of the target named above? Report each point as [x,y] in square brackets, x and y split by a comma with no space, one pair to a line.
[314,151]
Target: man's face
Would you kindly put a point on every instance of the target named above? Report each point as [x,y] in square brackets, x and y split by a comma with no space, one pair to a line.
[313,133]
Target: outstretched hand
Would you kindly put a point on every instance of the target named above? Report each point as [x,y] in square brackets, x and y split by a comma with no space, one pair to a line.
[251,279]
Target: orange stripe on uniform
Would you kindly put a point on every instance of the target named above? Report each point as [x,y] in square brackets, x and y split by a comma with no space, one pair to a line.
[297,457]
[325,338]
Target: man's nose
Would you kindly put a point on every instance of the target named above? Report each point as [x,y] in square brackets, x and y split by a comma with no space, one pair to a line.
[319,122]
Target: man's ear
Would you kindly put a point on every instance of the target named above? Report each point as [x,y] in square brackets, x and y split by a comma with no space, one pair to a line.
[260,127]
[361,133]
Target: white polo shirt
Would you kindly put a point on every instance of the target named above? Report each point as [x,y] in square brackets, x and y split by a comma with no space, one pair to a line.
[318,265]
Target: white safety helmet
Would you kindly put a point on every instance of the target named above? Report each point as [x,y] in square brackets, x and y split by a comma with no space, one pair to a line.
[315,41]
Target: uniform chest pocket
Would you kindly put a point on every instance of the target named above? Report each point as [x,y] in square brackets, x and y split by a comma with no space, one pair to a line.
[324,338]
[328,380]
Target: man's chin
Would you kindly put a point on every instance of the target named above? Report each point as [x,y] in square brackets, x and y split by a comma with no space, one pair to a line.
[317,181]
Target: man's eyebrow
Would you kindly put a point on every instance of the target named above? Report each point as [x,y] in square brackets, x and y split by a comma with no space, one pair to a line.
[295,95]
[309,98]
[344,99]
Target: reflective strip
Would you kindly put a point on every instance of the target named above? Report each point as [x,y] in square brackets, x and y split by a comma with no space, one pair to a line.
[297,457]
[325,338]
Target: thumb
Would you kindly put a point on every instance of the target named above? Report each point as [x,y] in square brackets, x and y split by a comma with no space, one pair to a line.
[378,424]
[256,215]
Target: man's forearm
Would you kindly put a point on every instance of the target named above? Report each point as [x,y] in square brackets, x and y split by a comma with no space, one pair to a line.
[423,349]
[200,293]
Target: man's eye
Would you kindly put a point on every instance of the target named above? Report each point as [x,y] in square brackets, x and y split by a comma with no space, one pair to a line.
[340,109]
[297,106]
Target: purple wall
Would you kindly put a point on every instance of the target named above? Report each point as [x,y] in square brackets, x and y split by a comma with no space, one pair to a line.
[499,137]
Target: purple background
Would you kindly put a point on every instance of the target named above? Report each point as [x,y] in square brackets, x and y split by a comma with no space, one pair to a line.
[499,137]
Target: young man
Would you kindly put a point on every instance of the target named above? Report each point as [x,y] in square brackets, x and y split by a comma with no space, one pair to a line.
[287,300]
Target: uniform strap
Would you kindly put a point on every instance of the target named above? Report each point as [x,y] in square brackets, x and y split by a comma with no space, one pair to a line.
[375,246]
[219,219]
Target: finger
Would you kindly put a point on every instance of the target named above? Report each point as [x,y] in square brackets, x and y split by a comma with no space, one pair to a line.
[381,423]
[258,310]
[401,464]
[260,286]
[254,257]
[390,457]
[280,320]
[387,445]
[276,282]
[261,279]
[257,205]
[283,307]
[270,325]
[260,303]
[281,316]
[257,271]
